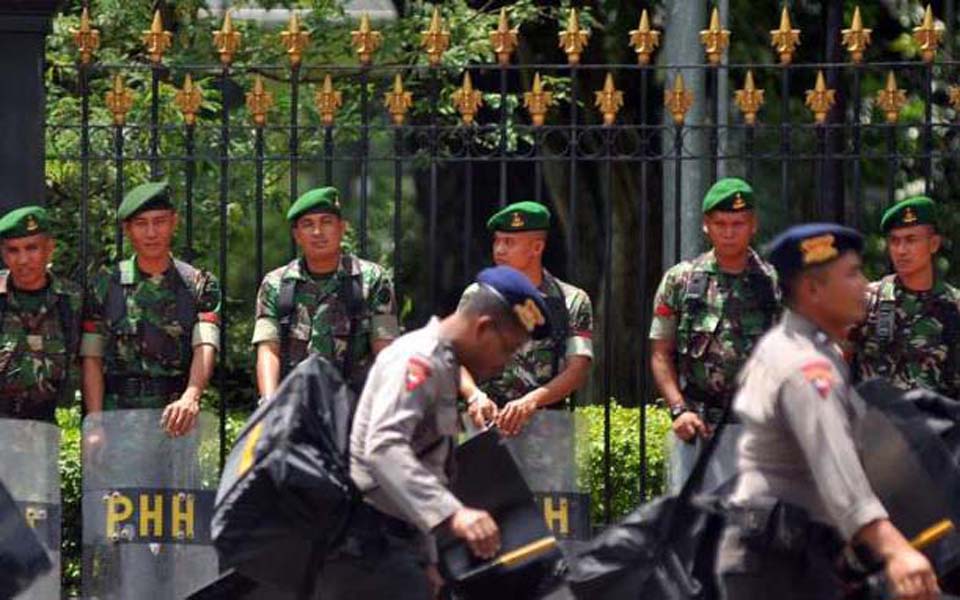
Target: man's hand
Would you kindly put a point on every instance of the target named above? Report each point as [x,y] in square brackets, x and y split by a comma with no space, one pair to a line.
[481,409]
[180,416]
[516,414]
[688,425]
[478,529]
[911,577]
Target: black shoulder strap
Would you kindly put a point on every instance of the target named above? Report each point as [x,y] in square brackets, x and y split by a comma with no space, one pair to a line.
[951,330]
[69,322]
[886,309]
[351,294]
[288,289]
[187,295]
[560,327]
[115,307]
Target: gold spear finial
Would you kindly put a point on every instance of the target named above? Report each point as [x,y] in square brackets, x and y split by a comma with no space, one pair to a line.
[928,35]
[188,100]
[157,40]
[328,101]
[715,39]
[786,39]
[609,100]
[398,101]
[365,40]
[537,101]
[820,99]
[749,99]
[467,100]
[86,38]
[644,40]
[435,40]
[259,102]
[227,40]
[857,38]
[678,100]
[295,40]
[119,101]
[503,39]
[891,99]
[574,39]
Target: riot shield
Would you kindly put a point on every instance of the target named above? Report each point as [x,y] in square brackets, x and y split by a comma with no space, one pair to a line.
[147,504]
[550,452]
[720,472]
[29,471]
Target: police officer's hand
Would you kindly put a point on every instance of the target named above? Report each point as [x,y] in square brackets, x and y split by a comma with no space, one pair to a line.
[478,529]
[481,409]
[911,577]
[689,425]
[516,414]
[180,416]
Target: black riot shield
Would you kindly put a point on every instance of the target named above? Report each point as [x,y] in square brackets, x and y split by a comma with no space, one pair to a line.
[548,453]
[911,469]
[147,504]
[29,472]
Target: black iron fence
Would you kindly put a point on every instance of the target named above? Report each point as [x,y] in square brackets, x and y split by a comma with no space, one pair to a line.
[424,154]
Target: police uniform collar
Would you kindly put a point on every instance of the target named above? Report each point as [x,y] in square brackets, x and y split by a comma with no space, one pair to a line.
[794,321]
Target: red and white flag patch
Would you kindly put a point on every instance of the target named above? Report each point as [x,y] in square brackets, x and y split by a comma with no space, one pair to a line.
[418,371]
[820,375]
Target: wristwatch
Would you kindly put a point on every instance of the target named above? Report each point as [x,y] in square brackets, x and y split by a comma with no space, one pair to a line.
[676,411]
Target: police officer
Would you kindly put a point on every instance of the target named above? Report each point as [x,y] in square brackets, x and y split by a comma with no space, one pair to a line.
[150,323]
[39,320]
[403,434]
[546,372]
[707,315]
[326,302]
[802,492]
[912,328]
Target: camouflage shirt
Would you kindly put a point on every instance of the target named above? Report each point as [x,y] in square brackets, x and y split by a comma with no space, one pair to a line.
[149,338]
[36,359]
[715,318]
[916,345]
[533,365]
[320,319]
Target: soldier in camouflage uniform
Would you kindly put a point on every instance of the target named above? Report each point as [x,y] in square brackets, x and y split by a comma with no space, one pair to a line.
[708,313]
[326,302]
[912,328]
[39,320]
[545,372]
[150,323]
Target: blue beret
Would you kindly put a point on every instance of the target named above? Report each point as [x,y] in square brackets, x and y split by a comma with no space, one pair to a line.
[519,292]
[810,245]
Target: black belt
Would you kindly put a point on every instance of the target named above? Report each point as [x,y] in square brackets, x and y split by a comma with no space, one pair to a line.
[785,524]
[24,405]
[143,386]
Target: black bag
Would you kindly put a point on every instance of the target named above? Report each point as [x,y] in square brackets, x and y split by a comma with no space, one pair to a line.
[286,496]
[22,556]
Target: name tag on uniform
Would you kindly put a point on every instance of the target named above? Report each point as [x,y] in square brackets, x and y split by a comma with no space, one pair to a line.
[35,342]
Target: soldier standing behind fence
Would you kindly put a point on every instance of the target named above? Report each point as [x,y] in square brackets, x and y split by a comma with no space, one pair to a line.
[707,315]
[545,372]
[326,302]
[912,328]
[39,320]
[151,323]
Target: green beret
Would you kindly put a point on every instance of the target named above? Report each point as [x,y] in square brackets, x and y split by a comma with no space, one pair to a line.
[146,196]
[729,194]
[22,222]
[319,200]
[520,216]
[918,210]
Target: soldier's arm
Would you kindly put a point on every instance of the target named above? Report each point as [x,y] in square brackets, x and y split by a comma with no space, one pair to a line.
[664,371]
[266,338]
[91,385]
[92,343]
[663,347]
[578,355]
[384,325]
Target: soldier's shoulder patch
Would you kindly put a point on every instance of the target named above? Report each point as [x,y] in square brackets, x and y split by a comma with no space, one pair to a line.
[208,317]
[819,373]
[664,310]
[418,371]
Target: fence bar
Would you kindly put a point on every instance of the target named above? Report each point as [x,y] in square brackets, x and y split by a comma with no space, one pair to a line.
[891,163]
[294,140]
[677,190]
[502,141]
[364,154]
[607,323]
[928,129]
[190,175]
[397,215]
[857,149]
[224,295]
[328,155]
[434,150]
[572,233]
[118,163]
[785,129]
[468,219]
[84,174]
[644,301]
[258,198]
[155,122]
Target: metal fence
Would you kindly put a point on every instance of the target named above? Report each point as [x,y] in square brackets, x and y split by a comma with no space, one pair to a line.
[820,151]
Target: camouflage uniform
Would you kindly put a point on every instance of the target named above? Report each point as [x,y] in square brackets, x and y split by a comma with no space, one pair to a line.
[320,321]
[911,337]
[715,318]
[37,347]
[540,361]
[147,349]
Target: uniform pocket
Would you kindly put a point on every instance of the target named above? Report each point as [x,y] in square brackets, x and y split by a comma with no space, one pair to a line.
[694,336]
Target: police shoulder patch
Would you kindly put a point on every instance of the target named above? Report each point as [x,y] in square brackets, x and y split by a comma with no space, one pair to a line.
[418,371]
[820,375]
